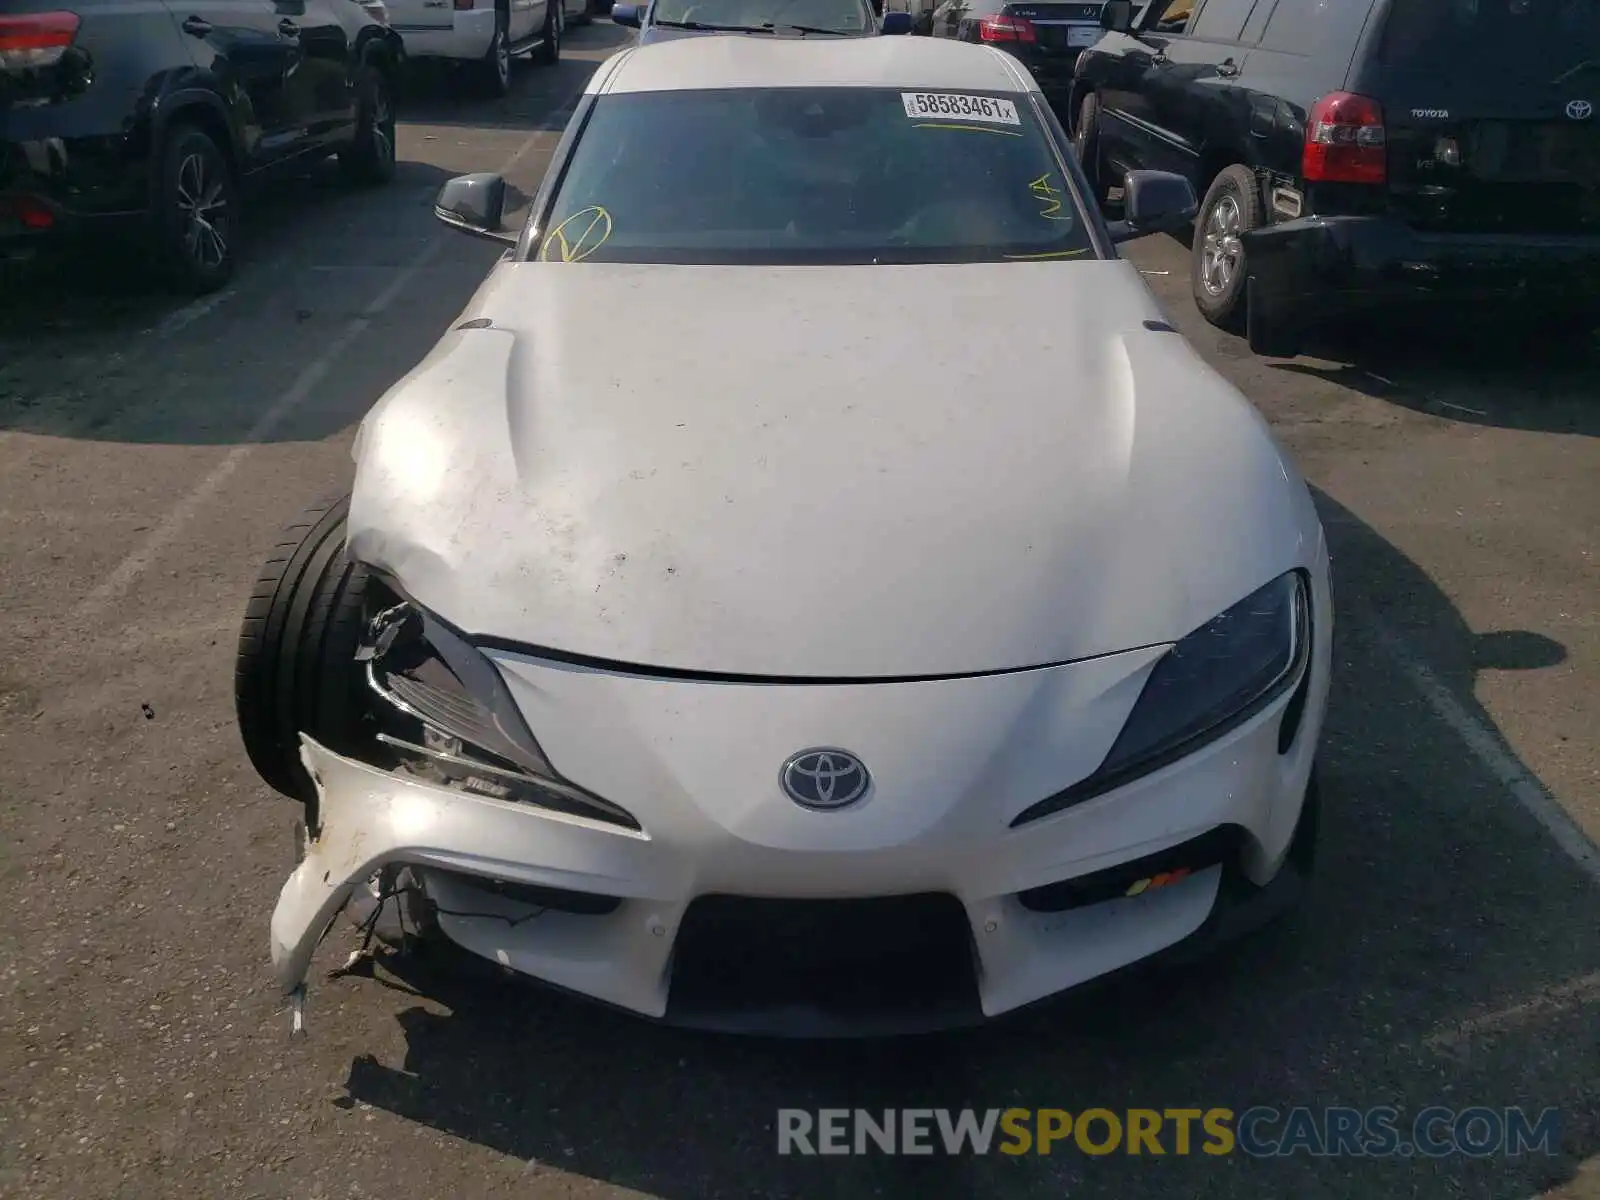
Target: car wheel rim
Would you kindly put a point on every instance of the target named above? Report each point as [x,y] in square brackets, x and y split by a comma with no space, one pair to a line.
[203,207]
[382,125]
[1221,249]
[502,59]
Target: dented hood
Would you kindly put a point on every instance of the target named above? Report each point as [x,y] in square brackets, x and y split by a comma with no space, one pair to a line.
[823,472]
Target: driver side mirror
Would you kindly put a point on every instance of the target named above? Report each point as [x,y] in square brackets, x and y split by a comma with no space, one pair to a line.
[1117,16]
[895,24]
[625,14]
[1154,202]
[475,204]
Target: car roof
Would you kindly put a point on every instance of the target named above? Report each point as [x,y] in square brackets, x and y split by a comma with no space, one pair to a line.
[746,61]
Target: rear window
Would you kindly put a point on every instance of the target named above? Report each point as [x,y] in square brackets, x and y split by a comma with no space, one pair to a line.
[1522,37]
[842,16]
[824,175]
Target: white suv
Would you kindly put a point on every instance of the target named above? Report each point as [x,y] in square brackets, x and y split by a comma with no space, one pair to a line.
[483,33]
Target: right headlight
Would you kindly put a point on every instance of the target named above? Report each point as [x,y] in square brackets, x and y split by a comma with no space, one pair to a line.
[444,714]
[1211,681]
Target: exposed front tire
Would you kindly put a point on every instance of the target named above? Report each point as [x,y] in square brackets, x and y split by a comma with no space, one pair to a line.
[1218,269]
[370,159]
[295,669]
[196,212]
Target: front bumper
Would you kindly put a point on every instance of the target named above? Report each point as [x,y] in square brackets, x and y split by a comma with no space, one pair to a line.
[722,848]
[1320,268]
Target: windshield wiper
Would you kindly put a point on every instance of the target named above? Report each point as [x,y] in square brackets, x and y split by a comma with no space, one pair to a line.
[702,27]
[773,27]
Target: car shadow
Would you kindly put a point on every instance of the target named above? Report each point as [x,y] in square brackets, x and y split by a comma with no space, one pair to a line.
[1471,371]
[105,357]
[1446,955]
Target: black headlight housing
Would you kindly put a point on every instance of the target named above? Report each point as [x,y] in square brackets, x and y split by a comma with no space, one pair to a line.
[441,711]
[1211,681]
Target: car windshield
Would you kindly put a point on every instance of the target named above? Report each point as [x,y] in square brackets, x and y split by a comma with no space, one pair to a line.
[826,175]
[843,16]
[1526,38]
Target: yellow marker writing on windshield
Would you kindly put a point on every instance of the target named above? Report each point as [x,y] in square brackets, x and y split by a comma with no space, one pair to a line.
[1049,197]
[579,236]
[970,128]
[1047,254]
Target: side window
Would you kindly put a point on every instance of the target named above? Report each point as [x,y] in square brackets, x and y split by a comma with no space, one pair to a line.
[1329,27]
[1222,20]
[1172,16]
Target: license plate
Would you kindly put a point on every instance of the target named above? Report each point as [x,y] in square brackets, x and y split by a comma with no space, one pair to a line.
[1083,35]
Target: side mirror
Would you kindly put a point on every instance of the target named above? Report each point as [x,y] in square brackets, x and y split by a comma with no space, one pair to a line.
[1154,202]
[1117,16]
[896,23]
[475,204]
[625,14]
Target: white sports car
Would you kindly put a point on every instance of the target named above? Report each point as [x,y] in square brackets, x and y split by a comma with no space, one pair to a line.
[899,626]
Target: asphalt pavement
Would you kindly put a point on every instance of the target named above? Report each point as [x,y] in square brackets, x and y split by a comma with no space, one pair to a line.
[1449,953]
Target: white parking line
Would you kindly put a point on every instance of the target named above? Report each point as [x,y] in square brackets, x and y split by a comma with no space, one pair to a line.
[1486,747]
[176,322]
[162,534]
[1562,998]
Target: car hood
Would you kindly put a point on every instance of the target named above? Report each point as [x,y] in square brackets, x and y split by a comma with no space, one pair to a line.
[858,472]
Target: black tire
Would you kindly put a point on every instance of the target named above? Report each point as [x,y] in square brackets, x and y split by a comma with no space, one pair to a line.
[1232,206]
[196,212]
[295,668]
[370,159]
[549,52]
[494,72]
[1086,142]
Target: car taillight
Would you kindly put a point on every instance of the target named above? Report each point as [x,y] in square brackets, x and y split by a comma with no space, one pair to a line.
[464,5]
[36,40]
[27,212]
[1345,141]
[1006,29]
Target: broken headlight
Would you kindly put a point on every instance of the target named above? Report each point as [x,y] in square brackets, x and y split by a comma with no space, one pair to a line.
[444,715]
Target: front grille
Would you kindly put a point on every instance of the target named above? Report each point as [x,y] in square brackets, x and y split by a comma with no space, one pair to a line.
[895,962]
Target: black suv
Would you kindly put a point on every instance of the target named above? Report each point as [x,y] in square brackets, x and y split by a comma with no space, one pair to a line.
[152,116]
[1356,154]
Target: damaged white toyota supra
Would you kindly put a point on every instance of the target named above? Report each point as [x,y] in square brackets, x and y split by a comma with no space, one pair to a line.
[897,625]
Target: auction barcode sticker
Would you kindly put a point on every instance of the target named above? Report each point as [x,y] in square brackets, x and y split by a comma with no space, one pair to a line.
[923,105]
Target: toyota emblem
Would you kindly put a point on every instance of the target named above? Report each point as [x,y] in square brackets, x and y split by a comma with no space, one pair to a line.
[1580,110]
[824,778]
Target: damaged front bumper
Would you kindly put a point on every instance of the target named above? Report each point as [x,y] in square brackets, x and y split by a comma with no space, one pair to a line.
[1316,269]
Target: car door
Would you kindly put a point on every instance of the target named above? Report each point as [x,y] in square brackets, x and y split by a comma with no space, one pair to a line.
[1186,96]
[237,42]
[319,84]
[526,19]
[1124,63]
[1149,69]
[946,18]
